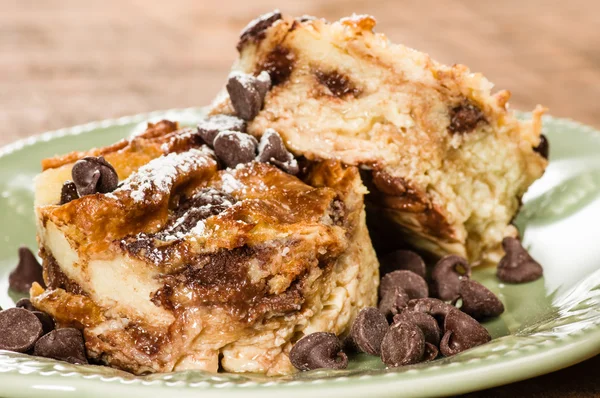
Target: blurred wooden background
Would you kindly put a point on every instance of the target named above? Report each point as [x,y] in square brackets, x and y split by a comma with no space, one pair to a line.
[65,62]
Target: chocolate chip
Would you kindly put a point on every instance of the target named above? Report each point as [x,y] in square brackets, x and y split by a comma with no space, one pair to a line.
[403,260]
[517,266]
[234,148]
[25,303]
[478,301]
[338,84]
[62,344]
[94,175]
[543,147]
[427,323]
[318,350]
[393,302]
[411,283]
[263,83]
[213,125]
[348,345]
[247,93]
[368,330]
[272,150]
[403,344]
[19,330]
[254,31]
[68,192]
[461,332]
[46,321]
[431,352]
[464,118]
[432,306]
[446,276]
[27,271]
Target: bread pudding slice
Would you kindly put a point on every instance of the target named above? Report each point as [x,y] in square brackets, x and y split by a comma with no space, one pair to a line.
[444,158]
[186,265]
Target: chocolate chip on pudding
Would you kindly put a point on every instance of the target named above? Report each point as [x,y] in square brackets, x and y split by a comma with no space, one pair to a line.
[464,118]
[247,93]
[94,175]
[254,31]
[68,192]
[210,127]
[271,149]
[234,148]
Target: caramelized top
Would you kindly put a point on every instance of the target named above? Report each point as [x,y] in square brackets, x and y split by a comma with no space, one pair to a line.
[244,239]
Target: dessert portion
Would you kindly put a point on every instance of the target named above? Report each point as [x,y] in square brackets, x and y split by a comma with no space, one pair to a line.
[169,257]
[443,157]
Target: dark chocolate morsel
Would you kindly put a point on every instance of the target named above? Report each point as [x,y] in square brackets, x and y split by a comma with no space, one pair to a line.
[368,330]
[478,301]
[94,175]
[19,330]
[446,276]
[427,323]
[211,126]
[26,304]
[28,270]
[247,94]
[431,352]
[464,118]
[272,150]
[68,192]
[414,285]
[543,147]
[432,306]
[234,148]
[461,332]
[254,31]
[46,320]
[319,350]
[263,84]
[403,344]
[393,302]
[517,266]
[403,260]
[62,344]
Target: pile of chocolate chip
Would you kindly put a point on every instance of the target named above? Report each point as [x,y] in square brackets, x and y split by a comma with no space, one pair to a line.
[25,329]
[417,321]
[227,135]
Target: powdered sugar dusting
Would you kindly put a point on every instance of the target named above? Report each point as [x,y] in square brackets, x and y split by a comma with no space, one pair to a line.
[230,183]
[155,179]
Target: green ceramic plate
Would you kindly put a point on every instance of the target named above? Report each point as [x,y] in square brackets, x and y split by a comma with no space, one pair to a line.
[549,324]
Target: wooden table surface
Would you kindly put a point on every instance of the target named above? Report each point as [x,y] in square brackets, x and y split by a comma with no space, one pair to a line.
[65,62]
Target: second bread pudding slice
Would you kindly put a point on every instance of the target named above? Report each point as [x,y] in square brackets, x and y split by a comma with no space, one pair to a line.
[445,159]
[189,265]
